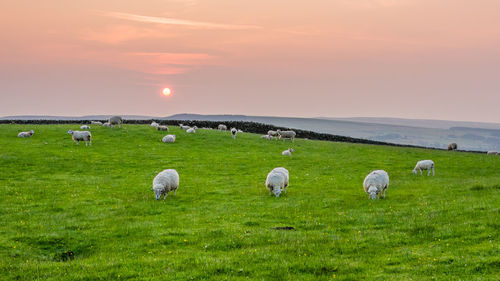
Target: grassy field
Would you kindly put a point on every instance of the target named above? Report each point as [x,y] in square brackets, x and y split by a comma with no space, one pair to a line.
[71,212]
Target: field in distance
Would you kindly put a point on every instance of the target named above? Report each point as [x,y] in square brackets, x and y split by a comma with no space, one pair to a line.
[73,212]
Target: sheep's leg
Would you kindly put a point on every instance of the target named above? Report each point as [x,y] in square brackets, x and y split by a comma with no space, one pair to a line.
[433,172]
[165,197]
[420,171]
[175,191]
[429,172]
[384,193]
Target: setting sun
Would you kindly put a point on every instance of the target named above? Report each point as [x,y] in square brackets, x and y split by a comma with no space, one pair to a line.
[166,92]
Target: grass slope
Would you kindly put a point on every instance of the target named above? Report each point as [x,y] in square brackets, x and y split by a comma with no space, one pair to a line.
[72,212]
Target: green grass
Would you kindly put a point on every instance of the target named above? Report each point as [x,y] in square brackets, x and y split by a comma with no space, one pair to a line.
[96,202]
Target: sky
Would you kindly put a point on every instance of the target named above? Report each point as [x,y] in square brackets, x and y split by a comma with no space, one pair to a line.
[428,59]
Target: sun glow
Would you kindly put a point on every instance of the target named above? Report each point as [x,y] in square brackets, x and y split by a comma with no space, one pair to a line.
[166,92]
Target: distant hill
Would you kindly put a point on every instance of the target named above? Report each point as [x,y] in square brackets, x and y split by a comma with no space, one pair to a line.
[429,133]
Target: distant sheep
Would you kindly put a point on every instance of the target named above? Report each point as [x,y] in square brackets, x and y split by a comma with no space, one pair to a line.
[427,165]
[267,137]
[191,130]
[78,136]
[288,152]
[95,122]
[106,124]
[222,127]
[272,133]
[164,182]
[184,127]
[27,134]
[492,153]
[452,146]
[161,128]
[286,135]
[275,182]
[116,120]
[85,127]
[240,131]
[154,124]
[168,139]
[375,183]
[233,132]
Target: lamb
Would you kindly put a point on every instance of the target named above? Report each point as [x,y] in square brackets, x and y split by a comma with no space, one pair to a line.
[27,134]
[222,127]
[275,182]
[184,127]
[166,181]
[233,132]
[85,127]
[267,137]
[272,134]
[286,135]
[106,124]
[375,183]
[95,122]
[78,136]
[492,153]
[154,124]
[161,128]
[168,138]
[288,152]
[424,165]
[452,146]
[285,174]
[116,120]
[191,130]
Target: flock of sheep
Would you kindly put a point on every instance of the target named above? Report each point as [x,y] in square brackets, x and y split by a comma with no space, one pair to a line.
[277,180]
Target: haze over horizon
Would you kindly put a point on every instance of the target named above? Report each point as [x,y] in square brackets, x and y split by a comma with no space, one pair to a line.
[416,59]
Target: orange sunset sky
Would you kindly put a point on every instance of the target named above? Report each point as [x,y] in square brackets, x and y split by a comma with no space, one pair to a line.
[433,59]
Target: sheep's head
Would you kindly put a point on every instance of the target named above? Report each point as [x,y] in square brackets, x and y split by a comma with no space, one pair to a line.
[291,149]
[158,191]
[277,191]
[373,191]
[414,171]
[70,132]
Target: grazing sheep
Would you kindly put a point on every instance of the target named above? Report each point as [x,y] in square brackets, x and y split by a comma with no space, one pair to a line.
[272,134]
[166,181]
[267,137]
[222,127]
[240,131]
[95,122]
[78,136]
[85,127]
[168,138]
[492,153]
[233,132]
[275,182]
[191,130]
[285,174]
[424,165]
[375,183]
[452,146]
[154,124]
[288,152]
[286,135]
[162,128]
[184,127]
[116,120]
[27,134]
[106,124]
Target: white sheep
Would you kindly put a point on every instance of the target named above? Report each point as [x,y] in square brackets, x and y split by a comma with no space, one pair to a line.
[191,130]
[240,131]
[78,136]
[234,132]
[85,127]
[106,124]
[222,127]
[161,128]
[166,181]
[168,138]
[492,153]
[116,120]
[154,124]
[95,122]
[272,134]
[288,152]
[375,183]
[452,146]
[275,182]
[286,135]
[27,134]
[184,127]
[424,165]
[267,137]
[285,174]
